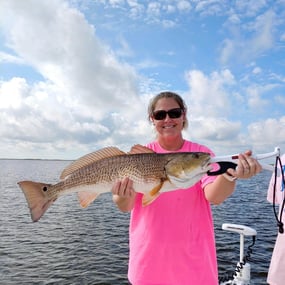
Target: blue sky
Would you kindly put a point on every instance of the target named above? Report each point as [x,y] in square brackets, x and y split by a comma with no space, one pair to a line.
[76,76]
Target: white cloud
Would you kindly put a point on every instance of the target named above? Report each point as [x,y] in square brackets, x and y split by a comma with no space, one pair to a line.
[9,58]
[116,3]
[84,83]
[210,7]
[268,132]
[11,93]
[153,9]
[250,7]
[169,8]
[257,96]
[260,37]
[263,29]
[210,90]
[209,102]
[124,50]
[234,18]
[183,6]
[63,47]
[254,97]
[256,70]
[136,9]
[168,24]
[214,129]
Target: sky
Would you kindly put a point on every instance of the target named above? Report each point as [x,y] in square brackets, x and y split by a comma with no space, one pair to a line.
[77,75]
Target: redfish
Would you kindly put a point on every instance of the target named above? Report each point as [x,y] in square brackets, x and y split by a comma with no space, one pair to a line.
[95,173]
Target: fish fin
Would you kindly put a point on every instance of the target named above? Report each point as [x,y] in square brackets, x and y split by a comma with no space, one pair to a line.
[90,158]
[36,197]
[149,197]
[86,198]
[140,149]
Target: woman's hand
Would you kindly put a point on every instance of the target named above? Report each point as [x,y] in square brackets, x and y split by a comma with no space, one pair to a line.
[123,188]
[247,166]
[124,194]
[224,185]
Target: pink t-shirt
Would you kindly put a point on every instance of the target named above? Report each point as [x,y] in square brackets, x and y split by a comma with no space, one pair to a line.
[276,273]
[172,239]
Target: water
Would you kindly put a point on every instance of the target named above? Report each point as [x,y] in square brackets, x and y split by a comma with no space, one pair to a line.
[74,246]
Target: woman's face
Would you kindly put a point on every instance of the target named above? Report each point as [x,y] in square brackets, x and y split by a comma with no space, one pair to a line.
[168,126]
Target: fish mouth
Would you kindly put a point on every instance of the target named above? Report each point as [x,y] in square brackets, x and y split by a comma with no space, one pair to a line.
[207,165]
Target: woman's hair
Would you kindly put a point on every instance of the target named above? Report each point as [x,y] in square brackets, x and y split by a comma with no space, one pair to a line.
[168,94]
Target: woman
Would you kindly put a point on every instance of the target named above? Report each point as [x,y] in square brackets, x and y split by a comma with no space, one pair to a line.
[172,239]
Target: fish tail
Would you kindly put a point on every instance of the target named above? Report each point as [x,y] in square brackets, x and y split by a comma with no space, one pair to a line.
[38,201]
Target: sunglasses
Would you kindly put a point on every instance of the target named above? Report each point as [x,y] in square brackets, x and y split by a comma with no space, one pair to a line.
[172,113]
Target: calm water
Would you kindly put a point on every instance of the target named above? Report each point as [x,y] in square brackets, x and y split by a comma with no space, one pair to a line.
[74,246]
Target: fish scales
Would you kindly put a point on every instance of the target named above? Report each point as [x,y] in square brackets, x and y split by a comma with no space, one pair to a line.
[140,168]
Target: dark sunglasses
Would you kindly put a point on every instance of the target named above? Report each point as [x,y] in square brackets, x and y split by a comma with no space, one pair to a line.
[172,113]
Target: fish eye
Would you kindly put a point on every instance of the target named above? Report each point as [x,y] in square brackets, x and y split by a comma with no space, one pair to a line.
[45,188]
[195,155]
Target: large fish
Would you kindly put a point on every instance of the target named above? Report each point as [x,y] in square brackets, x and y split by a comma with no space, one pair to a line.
[96,173]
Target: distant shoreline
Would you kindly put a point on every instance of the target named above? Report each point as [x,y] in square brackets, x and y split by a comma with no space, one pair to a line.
[44,159]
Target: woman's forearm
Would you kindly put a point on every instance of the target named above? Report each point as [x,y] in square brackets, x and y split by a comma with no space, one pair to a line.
[218,191]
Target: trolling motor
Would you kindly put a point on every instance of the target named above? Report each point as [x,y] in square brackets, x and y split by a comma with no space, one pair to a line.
[241,275]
